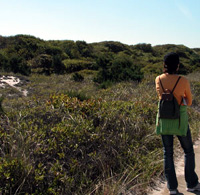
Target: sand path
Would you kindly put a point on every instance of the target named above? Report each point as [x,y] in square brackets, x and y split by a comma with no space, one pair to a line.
[162,188]
[12,82]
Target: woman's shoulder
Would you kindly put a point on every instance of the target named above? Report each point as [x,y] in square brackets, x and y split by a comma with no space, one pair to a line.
[184,79]
[161,77]
[171,76]
[157,79]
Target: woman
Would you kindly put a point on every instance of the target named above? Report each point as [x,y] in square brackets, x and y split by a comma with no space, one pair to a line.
[182,93]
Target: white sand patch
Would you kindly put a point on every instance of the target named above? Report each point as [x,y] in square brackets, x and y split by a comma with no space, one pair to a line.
[12,81]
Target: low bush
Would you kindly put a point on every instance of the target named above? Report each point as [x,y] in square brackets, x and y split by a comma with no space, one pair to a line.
[70,145]
[120,68]
[1,107]
[77,77]
[73,65]
[79,95]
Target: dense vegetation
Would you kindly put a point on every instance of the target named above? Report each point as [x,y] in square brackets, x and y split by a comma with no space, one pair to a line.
[114,61]
[70,136]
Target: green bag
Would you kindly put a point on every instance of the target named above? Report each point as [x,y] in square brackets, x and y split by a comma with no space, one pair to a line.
[173,126]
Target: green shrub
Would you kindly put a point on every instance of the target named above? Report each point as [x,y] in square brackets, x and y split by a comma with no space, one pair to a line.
[144,47]
[18,65]
[105,84]
[80,95]
[77,77]
[84,49]
[57,65]
[73,65]
[42,64]
[12,175]
[4,66]
[115,46]
[66,146]
[104,62]
[121,68]
[1,107]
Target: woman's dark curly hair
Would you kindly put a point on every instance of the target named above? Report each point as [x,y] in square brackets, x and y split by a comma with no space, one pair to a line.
[171,62]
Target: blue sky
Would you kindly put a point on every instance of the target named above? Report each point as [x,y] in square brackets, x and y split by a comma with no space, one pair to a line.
[129,21]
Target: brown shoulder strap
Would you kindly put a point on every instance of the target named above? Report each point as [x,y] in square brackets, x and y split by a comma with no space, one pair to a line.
[161,84]
[174,85]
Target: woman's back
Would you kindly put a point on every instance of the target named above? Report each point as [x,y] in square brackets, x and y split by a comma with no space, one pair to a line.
[182,89]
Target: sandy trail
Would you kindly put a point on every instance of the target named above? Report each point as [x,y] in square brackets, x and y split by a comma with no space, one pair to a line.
[12,82]
[162,188]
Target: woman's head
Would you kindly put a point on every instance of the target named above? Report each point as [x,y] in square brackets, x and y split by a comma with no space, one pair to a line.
[171,63]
